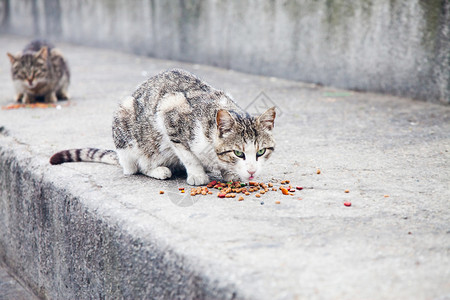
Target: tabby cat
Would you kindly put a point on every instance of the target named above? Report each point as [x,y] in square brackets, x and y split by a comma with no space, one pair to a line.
[176,121]
[40,72]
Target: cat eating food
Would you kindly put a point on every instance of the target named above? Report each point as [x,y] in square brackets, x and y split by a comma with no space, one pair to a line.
[40,72]
[176,121]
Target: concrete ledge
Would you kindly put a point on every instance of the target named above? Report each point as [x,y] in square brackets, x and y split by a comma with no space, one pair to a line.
[65,246]
[85,231]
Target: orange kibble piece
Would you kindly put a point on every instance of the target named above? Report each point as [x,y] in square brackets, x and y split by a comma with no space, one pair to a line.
[277,202]
[161,192]
[287,181]
[270,184]
[257,195]
[247,193]
[347,191]
[262,192]
[241,198]
[318,171]
[284,191]
[274,189]
[209,193]
[203,192]
[386,196]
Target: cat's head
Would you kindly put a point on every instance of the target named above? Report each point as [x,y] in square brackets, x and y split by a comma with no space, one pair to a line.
[244,143]
[30,68]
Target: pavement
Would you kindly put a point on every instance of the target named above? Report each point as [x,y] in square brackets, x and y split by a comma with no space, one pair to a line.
[85,230]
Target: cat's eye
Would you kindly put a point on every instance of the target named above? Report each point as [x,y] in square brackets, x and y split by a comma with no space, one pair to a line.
[261,152]
[239,154]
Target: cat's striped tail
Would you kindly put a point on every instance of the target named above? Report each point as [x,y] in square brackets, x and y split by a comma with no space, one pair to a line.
[85,155]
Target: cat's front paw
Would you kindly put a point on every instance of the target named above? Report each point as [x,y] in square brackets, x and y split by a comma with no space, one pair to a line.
[230,176]
[160,173]
[197,179]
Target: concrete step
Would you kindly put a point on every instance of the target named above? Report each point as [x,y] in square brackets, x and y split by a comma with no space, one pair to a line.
[10,289]
[83,230]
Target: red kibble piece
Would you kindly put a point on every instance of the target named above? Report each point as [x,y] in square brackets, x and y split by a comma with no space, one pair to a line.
[347,203]
[220,195]
[299,188]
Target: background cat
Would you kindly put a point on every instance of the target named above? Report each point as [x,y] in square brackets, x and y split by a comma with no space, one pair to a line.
[173,121]
[40,72]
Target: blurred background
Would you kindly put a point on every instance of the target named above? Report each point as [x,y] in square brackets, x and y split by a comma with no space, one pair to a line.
[389,46]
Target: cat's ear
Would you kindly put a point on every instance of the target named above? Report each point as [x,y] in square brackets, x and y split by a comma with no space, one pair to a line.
[224,122]
[267,118]
[43,53]
[11,57]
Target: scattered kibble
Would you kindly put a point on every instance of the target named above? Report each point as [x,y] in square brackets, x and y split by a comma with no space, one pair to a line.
[318,171]
[346,191]
[347,203]
[239,189]
[386,196]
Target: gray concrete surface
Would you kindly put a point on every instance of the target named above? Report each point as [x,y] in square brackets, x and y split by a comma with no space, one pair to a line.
[79,231]
[391,46]
[10,289]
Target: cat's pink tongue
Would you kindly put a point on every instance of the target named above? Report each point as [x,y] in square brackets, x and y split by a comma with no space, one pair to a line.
[251,177]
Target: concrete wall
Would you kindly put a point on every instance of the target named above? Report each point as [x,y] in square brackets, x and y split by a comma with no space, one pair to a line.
[390,46]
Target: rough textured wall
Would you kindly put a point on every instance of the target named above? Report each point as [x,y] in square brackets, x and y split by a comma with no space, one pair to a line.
[390,46]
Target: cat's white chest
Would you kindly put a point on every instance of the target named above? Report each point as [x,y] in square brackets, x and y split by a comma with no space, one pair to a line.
[204,150]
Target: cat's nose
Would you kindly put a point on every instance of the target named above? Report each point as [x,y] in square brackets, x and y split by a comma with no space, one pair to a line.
[251,172]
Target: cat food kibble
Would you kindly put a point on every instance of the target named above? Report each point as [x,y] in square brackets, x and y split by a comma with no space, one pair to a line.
[347,203]
[239,190]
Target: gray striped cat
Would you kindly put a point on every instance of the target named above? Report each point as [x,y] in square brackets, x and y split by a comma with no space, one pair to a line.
[40,72]
[176,121]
